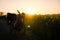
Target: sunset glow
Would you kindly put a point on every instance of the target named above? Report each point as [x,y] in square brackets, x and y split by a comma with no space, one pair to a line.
[31,6]
[30,11]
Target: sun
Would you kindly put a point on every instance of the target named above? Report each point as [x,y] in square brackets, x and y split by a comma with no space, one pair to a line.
[30,11]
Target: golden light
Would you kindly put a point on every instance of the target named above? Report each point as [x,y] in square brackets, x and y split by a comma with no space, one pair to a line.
[30,11]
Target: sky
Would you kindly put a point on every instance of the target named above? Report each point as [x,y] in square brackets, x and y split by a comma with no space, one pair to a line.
[40,6]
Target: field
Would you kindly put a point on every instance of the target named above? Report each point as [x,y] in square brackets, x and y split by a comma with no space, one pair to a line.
[37,27]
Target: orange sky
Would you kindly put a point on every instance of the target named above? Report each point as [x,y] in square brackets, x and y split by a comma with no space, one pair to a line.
[40,6]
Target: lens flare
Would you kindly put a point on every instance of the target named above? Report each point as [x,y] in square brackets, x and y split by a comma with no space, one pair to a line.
[28,26]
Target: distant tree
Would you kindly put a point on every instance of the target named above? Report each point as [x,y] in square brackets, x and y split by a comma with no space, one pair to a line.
[1,13]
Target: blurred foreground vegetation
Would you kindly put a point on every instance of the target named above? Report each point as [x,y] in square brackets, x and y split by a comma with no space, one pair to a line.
[43,27]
